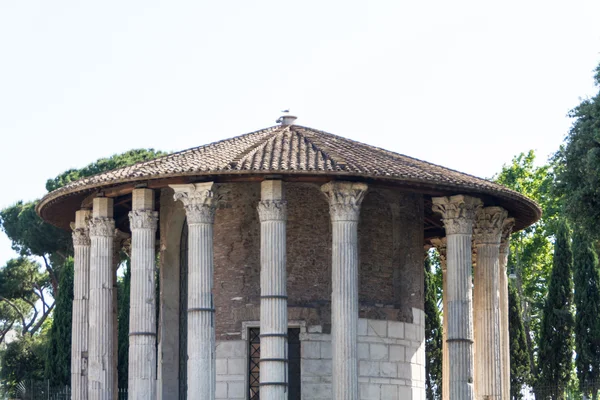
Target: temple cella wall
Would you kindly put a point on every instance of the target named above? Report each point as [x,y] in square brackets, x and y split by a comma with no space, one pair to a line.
[391,362]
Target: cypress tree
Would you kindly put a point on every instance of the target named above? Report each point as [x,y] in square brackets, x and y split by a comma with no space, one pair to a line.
[58,359]
[519,351]
[433,338]
[556,336]
[587,326]
[123,317]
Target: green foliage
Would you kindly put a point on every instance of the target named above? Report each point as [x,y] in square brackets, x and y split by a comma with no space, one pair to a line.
[29,234]
[587,324]
[102,165]
[579,177]
[22,288]
[123,287]
[58,360]
[519,350]
[433,338]
[23,359]
[556,336]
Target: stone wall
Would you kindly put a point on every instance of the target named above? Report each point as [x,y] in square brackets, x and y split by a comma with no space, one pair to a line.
[391,362]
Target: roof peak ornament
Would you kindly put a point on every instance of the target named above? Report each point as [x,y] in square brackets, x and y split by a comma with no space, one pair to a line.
[286,118]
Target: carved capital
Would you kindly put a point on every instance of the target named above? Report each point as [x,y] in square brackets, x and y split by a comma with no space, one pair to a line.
[81,237]
[440,246]
[488,227]
[143,219]
[344,199]
[507,228]
[272,210]
[199,200]
[102,226]
[458,213]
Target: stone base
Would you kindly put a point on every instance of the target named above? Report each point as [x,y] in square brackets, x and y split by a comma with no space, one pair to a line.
[391,362]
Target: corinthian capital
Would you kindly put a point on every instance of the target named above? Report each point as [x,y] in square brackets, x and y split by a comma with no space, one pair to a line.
[81,228]
[344,199]
[143,219]
[507,228]
[488,227]
[81,237]
[272,210]
[199,200]
[458,212]
[102,226]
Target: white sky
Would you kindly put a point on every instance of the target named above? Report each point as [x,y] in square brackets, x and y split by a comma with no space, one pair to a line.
[467,85]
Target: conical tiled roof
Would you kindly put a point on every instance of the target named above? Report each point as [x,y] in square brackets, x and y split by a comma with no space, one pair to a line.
[298,150]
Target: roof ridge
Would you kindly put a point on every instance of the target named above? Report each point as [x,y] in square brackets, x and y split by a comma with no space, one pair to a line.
[317,143]
[252,149]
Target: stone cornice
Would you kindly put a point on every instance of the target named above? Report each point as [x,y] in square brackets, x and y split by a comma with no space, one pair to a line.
[199,200]
[102,226]
[344,199]
[272,210]
[507,228]
[458,213]
[488,227]
[143,219]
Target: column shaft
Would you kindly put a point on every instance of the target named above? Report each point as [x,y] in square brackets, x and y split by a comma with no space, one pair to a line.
[488,229]
[458,214]
[503,285]
[81,289]
[460,317]
[101,379]
[142,306]
[504,332]
[200,203]
[487,329]
[272,211]
[201,330]
[344,309]
[344,206]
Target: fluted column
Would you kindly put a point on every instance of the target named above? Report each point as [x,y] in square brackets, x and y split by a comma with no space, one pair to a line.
[440,245]
[120,239]
[458,214]
[142,304]
[345,199]
[488,229]
[272,211]
[199,202]
[81,295]
[102,230]
[503,285]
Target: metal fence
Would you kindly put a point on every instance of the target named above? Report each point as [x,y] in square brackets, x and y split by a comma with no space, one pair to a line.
[42,390]
[571,392]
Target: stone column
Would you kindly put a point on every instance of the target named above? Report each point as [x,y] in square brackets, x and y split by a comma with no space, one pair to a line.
[143,221]
[344,206]
[120,240]
[458,215]
[81,294]
[488,230]
[440,245]
[101,382]
[272,211]
[199,202]
[503,285]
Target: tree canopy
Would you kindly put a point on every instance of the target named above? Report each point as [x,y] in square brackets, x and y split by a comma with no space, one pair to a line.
[579,175]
